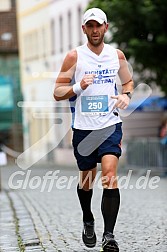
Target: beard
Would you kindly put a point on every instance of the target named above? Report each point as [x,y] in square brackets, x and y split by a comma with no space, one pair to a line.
[95,42]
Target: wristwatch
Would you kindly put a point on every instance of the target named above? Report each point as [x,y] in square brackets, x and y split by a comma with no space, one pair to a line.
[128,94]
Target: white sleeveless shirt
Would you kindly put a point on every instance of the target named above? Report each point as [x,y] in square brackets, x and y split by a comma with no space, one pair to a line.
[94,106]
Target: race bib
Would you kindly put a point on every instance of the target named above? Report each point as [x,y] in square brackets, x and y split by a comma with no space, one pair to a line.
[94,105]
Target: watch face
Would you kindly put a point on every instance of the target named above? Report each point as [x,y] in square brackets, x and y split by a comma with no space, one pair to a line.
[129,95]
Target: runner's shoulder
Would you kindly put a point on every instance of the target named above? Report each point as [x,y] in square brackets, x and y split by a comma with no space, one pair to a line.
[69,61]
[72,56]
[121,55]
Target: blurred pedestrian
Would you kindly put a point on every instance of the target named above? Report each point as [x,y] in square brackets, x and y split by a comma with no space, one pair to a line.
[3,156]
[97,127]
[162,154]
[163,132]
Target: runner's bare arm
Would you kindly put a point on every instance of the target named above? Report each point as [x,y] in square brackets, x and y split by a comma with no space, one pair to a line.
[124,74]
[127,83]
[62,89]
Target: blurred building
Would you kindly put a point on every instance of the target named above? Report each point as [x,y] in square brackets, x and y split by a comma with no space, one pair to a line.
[47,30]
[10,93]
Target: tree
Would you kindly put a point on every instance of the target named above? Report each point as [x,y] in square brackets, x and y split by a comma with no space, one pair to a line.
[138,27]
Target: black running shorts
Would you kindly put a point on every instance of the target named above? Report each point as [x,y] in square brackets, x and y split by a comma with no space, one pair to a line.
[91,145]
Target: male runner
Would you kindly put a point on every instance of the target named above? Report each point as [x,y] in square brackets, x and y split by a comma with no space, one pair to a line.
[97,127]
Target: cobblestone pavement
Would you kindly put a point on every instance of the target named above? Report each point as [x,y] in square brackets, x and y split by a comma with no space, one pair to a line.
[35,221]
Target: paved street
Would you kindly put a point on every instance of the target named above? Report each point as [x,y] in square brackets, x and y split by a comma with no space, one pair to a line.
[38,215]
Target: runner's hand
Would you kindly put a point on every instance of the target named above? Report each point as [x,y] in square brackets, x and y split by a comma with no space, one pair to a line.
[122,101]
[87,80]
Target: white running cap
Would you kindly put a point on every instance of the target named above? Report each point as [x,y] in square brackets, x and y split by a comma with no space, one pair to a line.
[95,14]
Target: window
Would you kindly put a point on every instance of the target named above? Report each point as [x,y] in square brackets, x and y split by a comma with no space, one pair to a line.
[61,33]
[13,3]
[53,36]
[44,41]
[30,46]
[79,25]
[69,31]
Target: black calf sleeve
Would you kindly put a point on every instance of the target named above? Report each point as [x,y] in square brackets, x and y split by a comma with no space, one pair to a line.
[110,207]
[85,202]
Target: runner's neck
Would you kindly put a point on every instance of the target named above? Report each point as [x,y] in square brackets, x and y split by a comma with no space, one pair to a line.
[97,50]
